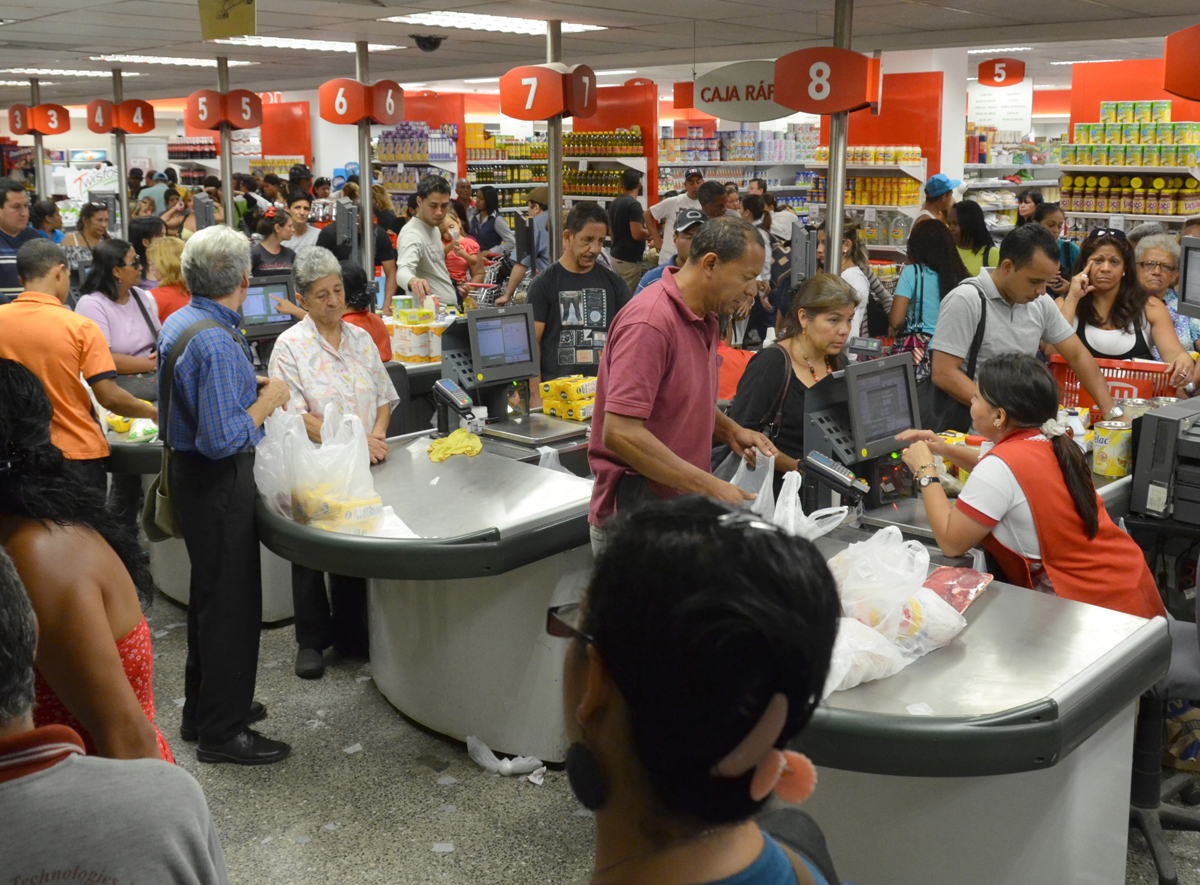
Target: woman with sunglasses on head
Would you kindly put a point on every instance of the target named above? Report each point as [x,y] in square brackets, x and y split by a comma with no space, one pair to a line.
[1029,499]
[90,231]
[697,656]
[1158,259]
[1114,316]
[270,256]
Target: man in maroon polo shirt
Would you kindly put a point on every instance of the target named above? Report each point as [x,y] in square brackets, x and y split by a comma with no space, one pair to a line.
[656,410]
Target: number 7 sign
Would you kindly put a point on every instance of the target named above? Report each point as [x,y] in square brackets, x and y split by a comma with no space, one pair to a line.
[534,92]
[580,91]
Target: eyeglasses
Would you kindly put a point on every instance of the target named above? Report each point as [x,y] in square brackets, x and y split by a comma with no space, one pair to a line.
[129,264]
[1106,232]
[1157,265]
[562,621]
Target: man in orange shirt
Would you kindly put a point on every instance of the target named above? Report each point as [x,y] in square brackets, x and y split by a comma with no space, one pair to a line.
[60,346]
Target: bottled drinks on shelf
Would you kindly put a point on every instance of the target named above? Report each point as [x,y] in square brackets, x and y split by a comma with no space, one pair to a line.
[484,174]
[592,183]
[193,176]
[280,166]
[183,150]
[482,145]
[619,143]
[872,191]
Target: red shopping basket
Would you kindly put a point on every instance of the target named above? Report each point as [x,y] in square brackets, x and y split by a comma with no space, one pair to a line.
[1127,379]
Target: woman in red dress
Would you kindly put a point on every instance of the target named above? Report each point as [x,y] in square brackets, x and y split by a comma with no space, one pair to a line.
[84,573]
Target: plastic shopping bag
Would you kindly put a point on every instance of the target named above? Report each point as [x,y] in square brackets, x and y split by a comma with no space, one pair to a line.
[790,516]
[861,654]
[272,460]
[332,487]
[757,480]
[875,576]
[549,460]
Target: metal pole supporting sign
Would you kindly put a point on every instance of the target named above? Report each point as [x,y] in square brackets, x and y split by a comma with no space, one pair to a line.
[839,125]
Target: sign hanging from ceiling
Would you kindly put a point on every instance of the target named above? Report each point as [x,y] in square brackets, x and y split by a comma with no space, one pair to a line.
[1006,108]
[227,18]
[744,91]
[1001,72]
[827,80]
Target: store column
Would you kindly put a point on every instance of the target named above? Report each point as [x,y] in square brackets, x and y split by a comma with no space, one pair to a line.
[39,156]
[839,128]
[226,148]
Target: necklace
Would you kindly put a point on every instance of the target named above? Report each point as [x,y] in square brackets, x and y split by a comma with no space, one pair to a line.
[807,361]
[678,843]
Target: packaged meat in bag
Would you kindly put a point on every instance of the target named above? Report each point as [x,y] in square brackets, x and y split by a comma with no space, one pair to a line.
[958,586]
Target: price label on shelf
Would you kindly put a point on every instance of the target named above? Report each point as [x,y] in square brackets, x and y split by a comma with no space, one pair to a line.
[579,87]
[1116,222]
[386,102]
[134,116]
[51,119]
[205,109]
[826,80]
[243,109]
[868,215]
[533,92]
[343,101]
[100,116]
[1001,72]
[20,119]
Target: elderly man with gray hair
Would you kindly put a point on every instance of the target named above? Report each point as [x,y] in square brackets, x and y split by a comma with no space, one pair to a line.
[211,411]
[325,360]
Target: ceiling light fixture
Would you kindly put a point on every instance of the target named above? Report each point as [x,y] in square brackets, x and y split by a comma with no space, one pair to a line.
[1051,86]
[60,72]
[610,73]
[165,60]
[412,85]
[1087,61]
[293,43]
[483,80]
[469,21]
[1000,49]
[24,83]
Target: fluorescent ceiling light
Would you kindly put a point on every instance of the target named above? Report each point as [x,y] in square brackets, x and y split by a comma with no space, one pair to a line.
[971,79]
[1087,61]
[411,85]
[483,80]
[312,45]
[59,72]
[164,60]
[486,92]
[1001,49]
[609,73]
[23,83]
[469,21]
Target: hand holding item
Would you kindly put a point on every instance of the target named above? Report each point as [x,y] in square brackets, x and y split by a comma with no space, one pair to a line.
[729,493]
[746,441]
[419,288]
[918,456]
[1182,369]
[934,442]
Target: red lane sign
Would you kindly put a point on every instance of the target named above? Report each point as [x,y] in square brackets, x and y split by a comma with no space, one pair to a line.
[386,102]
[133,115]
[533,92]
[205,109]
[20,119]
[825,80]
[51,119]
[579,91]
[1001,72]
[343,101]
[243,109]
[100,115]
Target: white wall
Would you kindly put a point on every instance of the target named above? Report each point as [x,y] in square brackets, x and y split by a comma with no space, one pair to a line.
[953,65]
[333,145]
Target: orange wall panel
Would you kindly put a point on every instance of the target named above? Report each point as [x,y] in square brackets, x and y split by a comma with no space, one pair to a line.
[287,130]
[620,107]
[910,113]
[1138,80]
[1052,101]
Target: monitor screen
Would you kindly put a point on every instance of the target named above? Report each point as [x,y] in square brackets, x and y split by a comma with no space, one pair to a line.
[503,341]
[1189,281]
[259,309]
[884,406]
[380,291]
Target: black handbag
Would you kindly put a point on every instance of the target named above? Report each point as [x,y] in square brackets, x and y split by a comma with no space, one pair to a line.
[770,424]
[949,413]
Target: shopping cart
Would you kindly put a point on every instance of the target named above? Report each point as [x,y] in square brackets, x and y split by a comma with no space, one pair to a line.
[1126,379]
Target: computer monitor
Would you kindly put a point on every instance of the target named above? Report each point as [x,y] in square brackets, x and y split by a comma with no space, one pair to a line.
[380,291]
[203,206]
[503,344]
[345,226]
[1189,277]
[260,319]
[882,400]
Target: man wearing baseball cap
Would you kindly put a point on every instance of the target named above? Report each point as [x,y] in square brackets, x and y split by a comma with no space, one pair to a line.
[537,202]
[157,192]
[939,197]
[300,178]
[661,238]
[687,223]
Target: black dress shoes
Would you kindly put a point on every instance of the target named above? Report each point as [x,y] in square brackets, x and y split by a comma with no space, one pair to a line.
[257,713]
[310,664]
[247,747]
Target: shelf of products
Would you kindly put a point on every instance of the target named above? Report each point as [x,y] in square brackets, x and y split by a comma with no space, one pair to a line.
[280,166]
[1003,183]
[1131,170]
[999,166]
[615,145]
[482,145]
[505,175]
[1106,215]
[912,170]
[1153,193]
[397,179]
[672,177]
[762,147]
[417,142]
[872,192]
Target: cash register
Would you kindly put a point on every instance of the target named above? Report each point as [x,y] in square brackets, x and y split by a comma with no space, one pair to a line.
[488,356]
[851,420]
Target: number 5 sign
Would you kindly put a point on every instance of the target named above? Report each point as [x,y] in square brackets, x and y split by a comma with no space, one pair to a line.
[826,80]
[1001,72]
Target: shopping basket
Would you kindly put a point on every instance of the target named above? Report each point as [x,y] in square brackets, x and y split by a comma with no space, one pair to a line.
[1126,379]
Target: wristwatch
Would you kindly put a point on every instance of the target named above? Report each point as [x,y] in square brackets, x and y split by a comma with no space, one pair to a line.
[1114,413]
[924,481]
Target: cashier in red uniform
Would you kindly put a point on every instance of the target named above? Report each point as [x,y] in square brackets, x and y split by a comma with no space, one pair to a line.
[1029,498]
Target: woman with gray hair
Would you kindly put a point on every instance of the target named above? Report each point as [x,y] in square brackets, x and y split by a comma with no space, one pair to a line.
[324,360]
[1157,259]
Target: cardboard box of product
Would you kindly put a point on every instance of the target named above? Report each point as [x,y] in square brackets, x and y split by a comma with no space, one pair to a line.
[1124,112]
[317,506]
[1108,112]
[1160,111]
[578,390]
[1143,111]
[580,410]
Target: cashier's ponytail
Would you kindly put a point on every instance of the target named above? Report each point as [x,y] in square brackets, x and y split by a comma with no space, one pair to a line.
[1029,395]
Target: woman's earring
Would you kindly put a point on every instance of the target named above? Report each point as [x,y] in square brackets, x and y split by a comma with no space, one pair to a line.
[585,777]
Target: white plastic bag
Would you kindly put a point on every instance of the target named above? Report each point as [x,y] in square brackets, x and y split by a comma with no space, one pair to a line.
[876,576]
[861,654]
[486,759]
[790,516]
[272,460]
[758,480]
[332,487]
[549,459]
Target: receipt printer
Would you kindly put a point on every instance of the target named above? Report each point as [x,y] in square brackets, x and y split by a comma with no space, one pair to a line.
[1166,470]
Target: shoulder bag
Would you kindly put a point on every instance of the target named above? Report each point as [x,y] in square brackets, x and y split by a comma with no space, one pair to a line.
[158,512]
[143,385]
[916,341]
[724,462]
[949,413]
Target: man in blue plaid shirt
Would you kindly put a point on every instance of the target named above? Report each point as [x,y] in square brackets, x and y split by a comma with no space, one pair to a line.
[217,406]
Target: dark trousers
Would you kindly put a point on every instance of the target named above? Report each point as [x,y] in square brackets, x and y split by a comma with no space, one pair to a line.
[214,501]
[338,618]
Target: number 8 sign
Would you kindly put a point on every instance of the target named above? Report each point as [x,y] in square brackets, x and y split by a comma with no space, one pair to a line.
[825,80]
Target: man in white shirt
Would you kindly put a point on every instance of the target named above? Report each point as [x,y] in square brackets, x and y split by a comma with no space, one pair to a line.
[421,263]
[662,235]
[299,205]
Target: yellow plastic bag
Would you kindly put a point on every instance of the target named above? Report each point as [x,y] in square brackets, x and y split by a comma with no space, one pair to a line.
[460,442]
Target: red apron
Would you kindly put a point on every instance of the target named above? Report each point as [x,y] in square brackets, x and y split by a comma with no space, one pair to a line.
[1108,570]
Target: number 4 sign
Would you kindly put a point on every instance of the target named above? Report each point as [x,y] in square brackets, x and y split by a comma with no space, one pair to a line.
[825,80]
[1001,72]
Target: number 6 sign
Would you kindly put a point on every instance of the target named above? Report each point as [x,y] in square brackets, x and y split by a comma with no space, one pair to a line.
[825,80]
[1001,72]
[535,92]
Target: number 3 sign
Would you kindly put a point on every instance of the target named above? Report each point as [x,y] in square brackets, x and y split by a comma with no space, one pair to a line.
[826,80]
[1001,72]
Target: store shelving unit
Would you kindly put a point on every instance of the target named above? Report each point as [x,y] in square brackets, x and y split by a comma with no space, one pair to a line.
[450,166]
[972,167]
[910,211]
[911,170]
[1193,171]
[1177,219]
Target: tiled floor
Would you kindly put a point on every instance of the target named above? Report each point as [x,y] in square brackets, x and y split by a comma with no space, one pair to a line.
[409,806]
